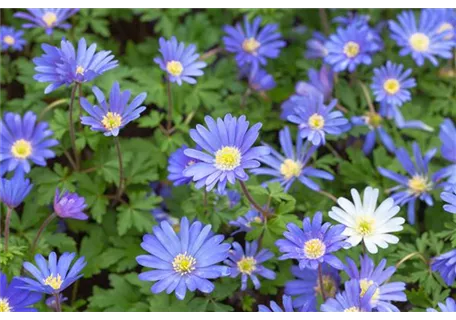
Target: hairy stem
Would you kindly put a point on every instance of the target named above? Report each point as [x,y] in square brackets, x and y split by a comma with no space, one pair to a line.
[368,98]
[7,223]
[328,195]
[410,256]
[252,201]
[40,231]
[72,134]
[320,280]
[170,107]
[58,306]
[324,20]
[121,172]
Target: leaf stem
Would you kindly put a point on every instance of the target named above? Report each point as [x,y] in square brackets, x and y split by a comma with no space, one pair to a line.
[328,195]
[410,256]
[7,224]
[170,108]
[252,201]
[367,96]
[72,134]
[324,20]
[320,281]
[121,172]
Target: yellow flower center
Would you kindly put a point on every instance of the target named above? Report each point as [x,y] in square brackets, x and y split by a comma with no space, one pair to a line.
[290,168]
[419,184]
[4,306]
[419,42]
[227,158]
[444,27]
[175,68]
[365,226]
[329,285]
[80,70]
[111,120]
[21,149]
[49,18]
[184,264]
[314,249]
[351,49]
[9,40]
[352,309]
[373,119]
[365,284]
[257,220]
[250,45]
[391,86]
[54,282]
[190,163]
[247,265]
[316,121]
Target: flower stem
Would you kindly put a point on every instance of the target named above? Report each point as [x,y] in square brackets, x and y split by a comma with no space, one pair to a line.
[205,201]
[320,280]
[210,53]
[72,134]
[7,223]
[58,306]
[121,172]
[252,201]
[409,256]
[324,20]
[170,108]
[367,96]
[40,231]
[328,195]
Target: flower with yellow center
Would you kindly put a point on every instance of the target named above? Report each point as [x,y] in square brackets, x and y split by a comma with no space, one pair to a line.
[9,40]
[365,226]
[247,265]
[391,86]
[316,122]
[184,264]
[352,309]
[419,184]
[54,282]
[351,49]
[49,18]
[227,158]
[365,284]
[290,168]
[175,68]
[419,42]
[314,248]
[250,45]
[111,120]
[4,306]
[329,285]
[21,149]
[445,27]
[373,119]
[80,70]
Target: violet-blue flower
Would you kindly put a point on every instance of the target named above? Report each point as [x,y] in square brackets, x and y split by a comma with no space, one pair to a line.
[448,150]
[448,306]
[316,46]
[13,191]
[450,199]
[69,205]
[244,223]
[287,306]
[47,18]
[351,299]
[14,298]
[445,264]
[11,38]
[319,82]
[177,163]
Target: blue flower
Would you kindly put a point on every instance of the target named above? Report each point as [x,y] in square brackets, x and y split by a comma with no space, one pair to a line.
[24,140]
[259,79]
[351,299]
[316,46]
[314,244]
[450,198]
[244,223]
[446,21]
[53,276]
[449,306]
[370,276]
[11,38]
[47,18]
[228,145]
[178,162]
[447,134]
[307,286]
[185,260]
[14,191]
[422,40]
[293,166]
[350,47]
[446,266]
[252,45]
[52,303]
[112,116]
[320,82]
[390,84]
[315,119]
[15,299]
[418,183]
[65,65]
[249,263]
[287,305]
[69,205]
[179,62]
[392,112]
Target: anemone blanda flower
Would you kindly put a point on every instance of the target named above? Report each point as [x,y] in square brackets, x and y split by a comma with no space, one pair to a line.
[422,40]
[445,264]
[315,119]
[65,65]
[392,112]
[110,117]
[448,149]
[390,84]
[177,163]
[249,263]
[450,198]
[448,306]
[179,62]
[244,223]
[293,166]
[350,47]
[53,276]
[183,261]
[287,306]
[24,140]
[15,299]
[13,191]
[316,46]
[314,244]
[364,221]
[227,151]
[306,287]
[446,21]
[251,44]
[52,303]
[69,205]
[371,276]
[319,82]
[46,18]
[260,80]
[11,38]
[350,300]
[418,183]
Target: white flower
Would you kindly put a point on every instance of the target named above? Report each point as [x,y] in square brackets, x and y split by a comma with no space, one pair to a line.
[364,221]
